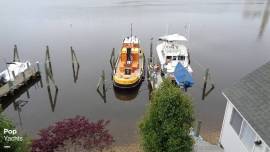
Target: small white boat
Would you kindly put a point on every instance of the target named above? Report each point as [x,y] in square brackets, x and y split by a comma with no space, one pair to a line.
[174,59]
[17,67]
[172,50]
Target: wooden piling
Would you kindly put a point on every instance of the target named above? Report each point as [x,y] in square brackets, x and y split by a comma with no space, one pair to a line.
[16,57]
[48,54]
[103,83]
[38,66]
[75,61]
[48,60]
[74,58]
[151,50]
[112,59]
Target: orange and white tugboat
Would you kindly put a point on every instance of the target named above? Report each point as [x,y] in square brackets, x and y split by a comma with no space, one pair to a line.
[129,67]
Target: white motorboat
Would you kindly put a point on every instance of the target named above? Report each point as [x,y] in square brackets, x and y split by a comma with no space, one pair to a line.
[172,50]
[16,67]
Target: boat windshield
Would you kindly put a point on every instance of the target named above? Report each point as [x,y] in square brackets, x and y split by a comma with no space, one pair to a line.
[181,57]
[169,57]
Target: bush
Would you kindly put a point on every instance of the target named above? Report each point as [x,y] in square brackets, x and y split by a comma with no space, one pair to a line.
[166,125]
[15,146]
[74,133]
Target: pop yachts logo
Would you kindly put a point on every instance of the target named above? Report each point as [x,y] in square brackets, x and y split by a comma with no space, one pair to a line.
[10,135]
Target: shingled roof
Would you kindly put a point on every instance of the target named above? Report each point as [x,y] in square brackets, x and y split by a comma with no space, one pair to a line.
[251,97]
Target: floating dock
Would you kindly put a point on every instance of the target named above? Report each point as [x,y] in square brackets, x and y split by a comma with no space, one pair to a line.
[11,87]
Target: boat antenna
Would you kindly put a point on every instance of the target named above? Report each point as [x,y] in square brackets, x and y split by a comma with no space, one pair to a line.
[131,30]
[167,29]
[187,30]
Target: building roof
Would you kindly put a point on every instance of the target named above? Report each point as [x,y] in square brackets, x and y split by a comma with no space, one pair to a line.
[251,97]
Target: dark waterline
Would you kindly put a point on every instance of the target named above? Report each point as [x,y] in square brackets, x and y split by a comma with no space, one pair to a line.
[229,37]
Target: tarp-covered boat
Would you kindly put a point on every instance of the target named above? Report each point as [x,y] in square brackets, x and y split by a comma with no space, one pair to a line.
[182,77]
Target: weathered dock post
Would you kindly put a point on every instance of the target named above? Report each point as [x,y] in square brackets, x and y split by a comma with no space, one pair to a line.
[48,59]
[16,57]
[151,50]
[198,128]
[75,61]
[38,67]
[74,58]
[103,86]
[112,62]
[112,59]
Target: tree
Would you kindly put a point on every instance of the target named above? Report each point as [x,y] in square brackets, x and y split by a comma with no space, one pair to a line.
[167,123]
[74,134]
[16,145]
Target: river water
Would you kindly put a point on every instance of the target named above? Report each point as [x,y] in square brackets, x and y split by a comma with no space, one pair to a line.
[231,37]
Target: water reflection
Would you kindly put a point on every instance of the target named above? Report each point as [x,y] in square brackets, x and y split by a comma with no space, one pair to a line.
[50,80]
[251,9]
[258,9]
[52,99]
[265,18]
[18,107]
[126,94]
[17,103]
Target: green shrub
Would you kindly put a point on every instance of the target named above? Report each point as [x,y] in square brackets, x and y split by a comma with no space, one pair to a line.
[15,146]
[166,125]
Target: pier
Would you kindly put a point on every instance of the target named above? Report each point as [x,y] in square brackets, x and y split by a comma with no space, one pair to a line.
[153,70]
[154,74]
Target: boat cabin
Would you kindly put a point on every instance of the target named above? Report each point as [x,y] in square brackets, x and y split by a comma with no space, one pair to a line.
[129,57]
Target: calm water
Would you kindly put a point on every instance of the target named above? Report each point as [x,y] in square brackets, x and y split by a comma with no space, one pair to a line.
[231,37]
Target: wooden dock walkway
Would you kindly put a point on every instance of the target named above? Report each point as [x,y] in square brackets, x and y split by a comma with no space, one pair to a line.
[20,80]
[154,74]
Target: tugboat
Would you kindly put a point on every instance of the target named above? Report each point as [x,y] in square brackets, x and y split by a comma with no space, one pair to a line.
[174,59]
[129,67]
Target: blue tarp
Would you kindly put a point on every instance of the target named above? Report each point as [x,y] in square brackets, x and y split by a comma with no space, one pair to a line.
[182,76]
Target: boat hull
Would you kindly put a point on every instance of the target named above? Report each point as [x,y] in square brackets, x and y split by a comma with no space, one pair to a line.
[127,85]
